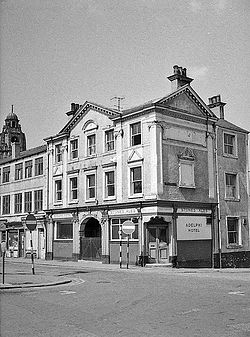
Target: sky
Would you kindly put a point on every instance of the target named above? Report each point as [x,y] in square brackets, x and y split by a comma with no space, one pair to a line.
[54,52]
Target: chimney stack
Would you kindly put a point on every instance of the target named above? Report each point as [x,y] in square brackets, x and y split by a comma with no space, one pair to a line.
[74,108]
[215,104]
[179,78]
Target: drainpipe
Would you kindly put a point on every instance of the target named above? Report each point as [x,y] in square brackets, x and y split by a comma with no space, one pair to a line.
[218,196]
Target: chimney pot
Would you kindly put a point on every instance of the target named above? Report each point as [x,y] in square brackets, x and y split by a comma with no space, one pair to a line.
[72,106]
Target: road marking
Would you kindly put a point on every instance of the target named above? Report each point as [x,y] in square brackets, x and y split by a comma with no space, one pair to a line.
[67,292]
[190,311]
[238,293]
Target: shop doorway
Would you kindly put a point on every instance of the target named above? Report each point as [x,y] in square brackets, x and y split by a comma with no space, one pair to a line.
[91,240]
[158,240]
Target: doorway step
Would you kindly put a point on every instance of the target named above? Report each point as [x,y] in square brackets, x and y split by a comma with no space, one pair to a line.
[155,265]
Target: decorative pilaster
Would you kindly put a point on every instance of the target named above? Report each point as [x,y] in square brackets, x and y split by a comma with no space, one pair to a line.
[119,175]
[156,170]
[49,238]
[105,237]
[64,170]
[76,237]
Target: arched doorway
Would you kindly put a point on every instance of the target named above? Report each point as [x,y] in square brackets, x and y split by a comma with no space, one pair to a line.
[90,240]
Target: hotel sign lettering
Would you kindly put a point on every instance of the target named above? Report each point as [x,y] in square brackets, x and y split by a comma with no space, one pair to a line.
[193,228]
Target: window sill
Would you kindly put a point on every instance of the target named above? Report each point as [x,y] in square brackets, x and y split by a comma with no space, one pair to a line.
[187,186]
[138,195]
[234,246]
[73,202]
[73,160]
[233,156]
[63,240]
[58,203]
[90,156]
[232,199]
[91,200]
[109,198]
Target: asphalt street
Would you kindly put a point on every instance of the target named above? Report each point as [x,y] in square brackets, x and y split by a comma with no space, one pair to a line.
[128,303]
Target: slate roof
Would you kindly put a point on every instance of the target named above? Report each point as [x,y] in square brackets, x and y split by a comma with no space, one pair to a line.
[25,154]
[227,125]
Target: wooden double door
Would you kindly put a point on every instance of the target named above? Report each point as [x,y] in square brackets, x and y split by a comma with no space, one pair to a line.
[90,240]
[158,243]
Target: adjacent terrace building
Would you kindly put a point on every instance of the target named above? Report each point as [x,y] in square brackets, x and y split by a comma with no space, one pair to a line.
[22,191]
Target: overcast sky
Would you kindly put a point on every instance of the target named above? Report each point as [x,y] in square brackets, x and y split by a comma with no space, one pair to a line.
[54,52]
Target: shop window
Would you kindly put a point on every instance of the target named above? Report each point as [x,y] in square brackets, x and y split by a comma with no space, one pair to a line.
[19,171]
[58,153]
[38,166]
[233,231]
[135,180]
[58,190]
[18,203]
[91,186]
[73,188]
[186,174]
[6,204]
[74,149]
[109,184]
[38,200]
[28,169]
[229,144]
[64,231]
[109,140]
[135,132]
[27,202]
[116,229]
[91,145]
[231,186]
[6,174]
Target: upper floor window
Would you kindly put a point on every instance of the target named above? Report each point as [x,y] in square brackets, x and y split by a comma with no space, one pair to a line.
[38,166]
[233,231]
[27,202]
[136,180]
[18,203]
[74,149]
[109,184]
[58,190]
[19,171]
[28,169]
[58,153]
[229,144]
[6,174]
[91,145]
[73,188]
[91,186]
[38,200]
[186,174]
[231,186]
[6,204]
[109,140]
[135,132]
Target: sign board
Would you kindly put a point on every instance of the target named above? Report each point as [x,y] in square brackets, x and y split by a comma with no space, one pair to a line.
[193,228]
[128,227]
[31,222]
[3,246]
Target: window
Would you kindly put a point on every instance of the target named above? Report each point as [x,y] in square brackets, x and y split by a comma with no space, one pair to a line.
[109,140]
[73,188]
[91,145]
[6,174]
[231,186]
[116,229]
[233,232]
[186,171]
[38,200]
[27,202]
[19,171]
[90,192]
[64,230]
[28,169]
[6,204]
[58,190]
[229,144]
[135,133]
[58,153]
[136,180]
[0,176]
[38,166]
[109,184]
[18,203]
[74,149]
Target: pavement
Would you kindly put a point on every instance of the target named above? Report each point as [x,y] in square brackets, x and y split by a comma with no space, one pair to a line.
[21,279]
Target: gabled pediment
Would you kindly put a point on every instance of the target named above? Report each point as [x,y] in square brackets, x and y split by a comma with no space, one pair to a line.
[83,110]
[187,100]
[134,156]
